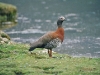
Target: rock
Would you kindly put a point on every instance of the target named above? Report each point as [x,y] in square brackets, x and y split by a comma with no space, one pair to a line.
[0,38]
[45,51]
[2,42]
[9,23]
[4,38]
[11,42]
[4,35]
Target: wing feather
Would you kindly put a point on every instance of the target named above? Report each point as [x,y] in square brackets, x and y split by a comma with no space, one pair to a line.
[42,41]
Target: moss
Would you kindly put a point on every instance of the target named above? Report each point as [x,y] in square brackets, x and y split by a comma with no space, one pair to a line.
[8,12]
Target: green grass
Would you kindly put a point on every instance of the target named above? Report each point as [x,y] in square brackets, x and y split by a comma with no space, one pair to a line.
[16,60]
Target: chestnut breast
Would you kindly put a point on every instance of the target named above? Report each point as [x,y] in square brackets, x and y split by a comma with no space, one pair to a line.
[59,33]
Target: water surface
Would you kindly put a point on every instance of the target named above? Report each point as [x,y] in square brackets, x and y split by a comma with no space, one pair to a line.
[82,28]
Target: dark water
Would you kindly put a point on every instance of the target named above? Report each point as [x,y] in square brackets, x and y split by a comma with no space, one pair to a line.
[82,28]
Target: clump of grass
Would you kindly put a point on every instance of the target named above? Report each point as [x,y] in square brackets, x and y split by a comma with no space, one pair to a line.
[8,12]
[16,60]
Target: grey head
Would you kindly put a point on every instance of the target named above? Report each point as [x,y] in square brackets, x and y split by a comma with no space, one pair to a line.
[60,21]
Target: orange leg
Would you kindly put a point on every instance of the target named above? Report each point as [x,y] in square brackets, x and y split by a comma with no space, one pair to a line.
[50,53]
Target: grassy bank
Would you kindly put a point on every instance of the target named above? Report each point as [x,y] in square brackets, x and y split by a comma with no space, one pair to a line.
[8,12]
[16,60]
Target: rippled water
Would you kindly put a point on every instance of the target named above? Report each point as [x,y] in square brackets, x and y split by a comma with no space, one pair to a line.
[82,28]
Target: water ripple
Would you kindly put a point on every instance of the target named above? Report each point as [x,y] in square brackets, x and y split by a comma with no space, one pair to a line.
[27,31]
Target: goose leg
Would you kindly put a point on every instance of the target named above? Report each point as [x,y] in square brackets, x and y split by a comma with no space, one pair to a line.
[50,53]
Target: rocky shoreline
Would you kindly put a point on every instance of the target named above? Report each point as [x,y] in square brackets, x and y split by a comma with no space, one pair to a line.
[8,16]
[5,38]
